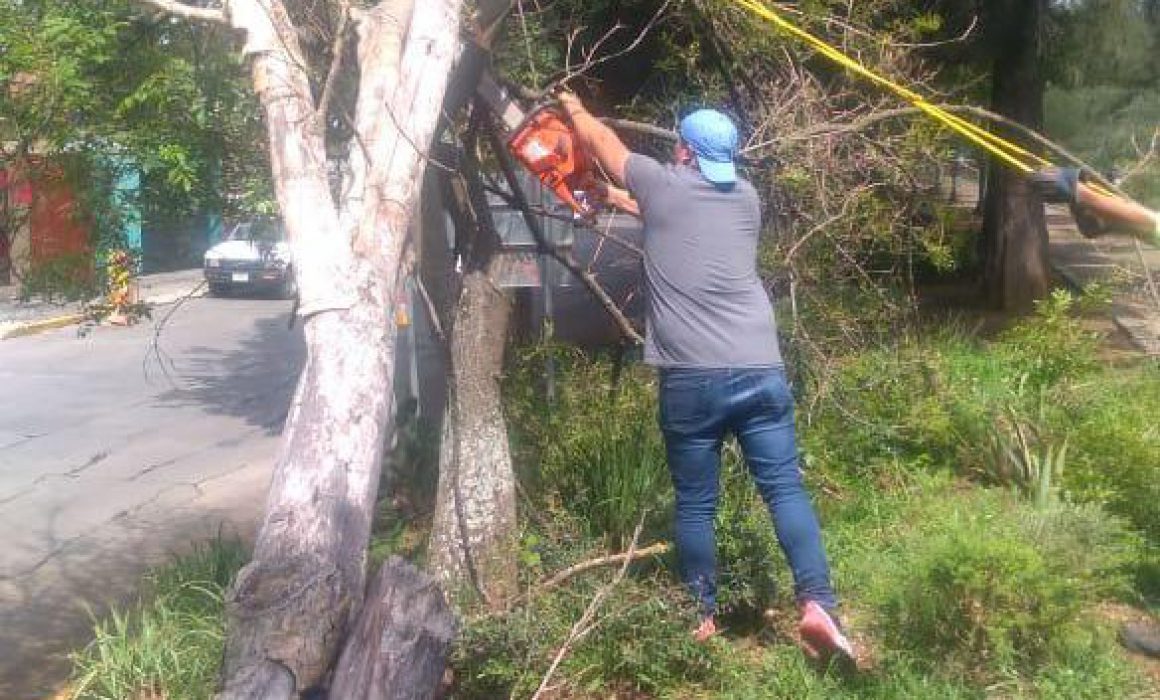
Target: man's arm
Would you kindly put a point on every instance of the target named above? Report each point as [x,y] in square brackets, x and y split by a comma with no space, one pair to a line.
[1118,213]
[1095,212]
[596,138]
[620,199]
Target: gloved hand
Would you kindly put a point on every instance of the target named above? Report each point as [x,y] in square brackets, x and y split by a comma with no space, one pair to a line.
[1056,185]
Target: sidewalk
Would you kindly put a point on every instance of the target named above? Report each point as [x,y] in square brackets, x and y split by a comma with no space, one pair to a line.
[23,318]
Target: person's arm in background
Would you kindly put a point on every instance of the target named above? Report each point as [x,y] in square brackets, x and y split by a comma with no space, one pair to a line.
[597,139]
[1118,213]
[1062,185]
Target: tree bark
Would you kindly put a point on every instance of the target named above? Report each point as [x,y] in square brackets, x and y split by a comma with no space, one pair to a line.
[1014,245]
[474,529]
[398,649]
[473,533]
[289,608]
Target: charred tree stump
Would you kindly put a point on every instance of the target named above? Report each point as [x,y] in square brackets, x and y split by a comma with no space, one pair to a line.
[399,645]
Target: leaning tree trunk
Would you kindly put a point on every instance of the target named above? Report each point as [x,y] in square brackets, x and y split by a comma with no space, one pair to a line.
[474,529]
[1014,245]
[290,607]
[473,537]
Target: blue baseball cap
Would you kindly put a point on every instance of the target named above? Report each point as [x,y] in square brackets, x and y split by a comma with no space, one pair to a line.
[713,139]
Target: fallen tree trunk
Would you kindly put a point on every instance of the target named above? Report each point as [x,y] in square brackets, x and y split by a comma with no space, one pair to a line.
[398,648]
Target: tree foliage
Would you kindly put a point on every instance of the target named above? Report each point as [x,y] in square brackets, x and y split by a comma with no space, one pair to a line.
[99,85]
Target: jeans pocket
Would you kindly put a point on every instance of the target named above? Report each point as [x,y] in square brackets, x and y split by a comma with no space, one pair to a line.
[682,403]
[776,396]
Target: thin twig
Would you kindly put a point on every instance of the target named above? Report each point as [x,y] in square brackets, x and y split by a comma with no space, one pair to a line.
[584,625]
[1145,158]
[653,550]
[432,312]
[527,35]
[155,342]
[1147,272]
[590,62]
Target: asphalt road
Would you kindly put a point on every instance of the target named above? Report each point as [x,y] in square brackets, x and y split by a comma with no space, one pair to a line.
[112,458]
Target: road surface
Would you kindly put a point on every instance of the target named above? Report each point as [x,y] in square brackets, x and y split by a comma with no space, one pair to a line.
[111,460]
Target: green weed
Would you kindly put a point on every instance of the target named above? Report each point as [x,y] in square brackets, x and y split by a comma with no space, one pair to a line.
[597,449]
[170,643]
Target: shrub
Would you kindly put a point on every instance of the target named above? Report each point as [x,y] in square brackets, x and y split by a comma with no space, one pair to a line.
[641,642]
[751,569]
[952,402]
[67,277]
[980,584]
[973,601]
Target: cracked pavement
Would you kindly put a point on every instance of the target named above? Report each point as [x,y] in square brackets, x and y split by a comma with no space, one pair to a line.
[114,456]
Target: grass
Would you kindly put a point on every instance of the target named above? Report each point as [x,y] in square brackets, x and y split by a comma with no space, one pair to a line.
[169,644]
[964,573]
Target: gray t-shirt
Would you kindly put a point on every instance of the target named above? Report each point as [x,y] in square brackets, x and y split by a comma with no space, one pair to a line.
[706,306]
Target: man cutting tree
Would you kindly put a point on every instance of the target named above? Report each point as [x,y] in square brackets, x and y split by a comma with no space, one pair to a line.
[711,333]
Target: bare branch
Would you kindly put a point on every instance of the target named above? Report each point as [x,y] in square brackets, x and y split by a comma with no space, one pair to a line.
[432,312]
[584,625]
[654,550]
[180,9]
[833,129]
[591,62]
[640,128]
[1146,157]
[527,41]
[601,295]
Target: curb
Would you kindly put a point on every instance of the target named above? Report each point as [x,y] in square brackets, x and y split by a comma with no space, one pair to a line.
[21,329]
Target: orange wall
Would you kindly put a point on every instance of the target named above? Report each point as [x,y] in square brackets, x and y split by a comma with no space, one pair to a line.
[55,230]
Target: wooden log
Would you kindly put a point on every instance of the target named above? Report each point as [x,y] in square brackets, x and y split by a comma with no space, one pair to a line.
[399,645]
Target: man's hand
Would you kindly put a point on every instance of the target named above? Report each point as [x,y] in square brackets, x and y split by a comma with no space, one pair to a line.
[1056,185]
[594,137]
[615,197]
[569,102]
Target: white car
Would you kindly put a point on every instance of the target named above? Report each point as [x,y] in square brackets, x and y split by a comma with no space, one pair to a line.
[254,257]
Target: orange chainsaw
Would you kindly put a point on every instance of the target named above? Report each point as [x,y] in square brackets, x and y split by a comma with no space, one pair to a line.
[542,141]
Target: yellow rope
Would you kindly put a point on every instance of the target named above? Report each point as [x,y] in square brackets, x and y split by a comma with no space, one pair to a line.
[1010,153]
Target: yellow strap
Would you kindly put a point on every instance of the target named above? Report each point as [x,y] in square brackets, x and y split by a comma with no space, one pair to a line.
[1010,153]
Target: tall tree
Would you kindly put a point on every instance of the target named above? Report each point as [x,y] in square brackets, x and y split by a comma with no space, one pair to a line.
[291,605]
[1014,244]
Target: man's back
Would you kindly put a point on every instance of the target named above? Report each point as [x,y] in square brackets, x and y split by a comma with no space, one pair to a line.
[706,304]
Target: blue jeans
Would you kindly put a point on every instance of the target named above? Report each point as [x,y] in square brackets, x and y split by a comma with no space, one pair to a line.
[698,408]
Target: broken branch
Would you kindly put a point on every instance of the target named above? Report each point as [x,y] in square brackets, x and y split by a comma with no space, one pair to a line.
[583,625]
[653,550]
[180,9]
